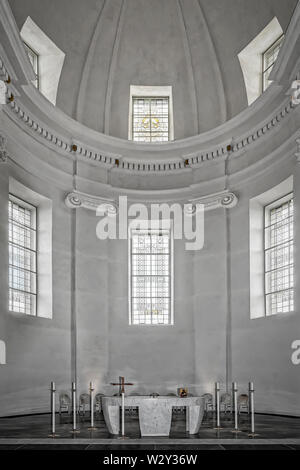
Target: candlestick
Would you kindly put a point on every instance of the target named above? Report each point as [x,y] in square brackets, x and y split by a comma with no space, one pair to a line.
[217,400]
[52,404]
[74,429]
[251,397]
[234,393]
[123,414]
[92,427]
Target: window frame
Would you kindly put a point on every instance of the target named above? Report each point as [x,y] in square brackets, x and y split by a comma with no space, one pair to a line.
[264,70]
[266,213]
[158,91]
[26,205]
[167,225]
[37,57]
[150,98]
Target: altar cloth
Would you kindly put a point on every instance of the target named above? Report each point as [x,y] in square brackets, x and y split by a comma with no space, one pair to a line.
[155,413]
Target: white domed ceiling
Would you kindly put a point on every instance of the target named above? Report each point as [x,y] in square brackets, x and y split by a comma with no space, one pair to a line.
[191,45]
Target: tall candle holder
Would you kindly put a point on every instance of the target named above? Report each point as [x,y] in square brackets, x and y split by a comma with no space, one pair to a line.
[235,407]
[74,429]
[92,426]
[121,385]
[52,403]
[251,397]
[217,401]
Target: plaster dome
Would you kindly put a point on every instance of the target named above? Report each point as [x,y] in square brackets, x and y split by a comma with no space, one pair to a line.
[191,45]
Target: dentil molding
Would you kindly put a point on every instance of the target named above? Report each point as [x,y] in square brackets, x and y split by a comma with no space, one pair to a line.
[3,153]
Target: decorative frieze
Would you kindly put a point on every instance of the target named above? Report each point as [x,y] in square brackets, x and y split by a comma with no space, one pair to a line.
[3,152]
[225,199]
[159,166]
[77,199]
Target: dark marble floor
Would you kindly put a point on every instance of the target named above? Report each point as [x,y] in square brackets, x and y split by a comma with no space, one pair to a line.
[31,432]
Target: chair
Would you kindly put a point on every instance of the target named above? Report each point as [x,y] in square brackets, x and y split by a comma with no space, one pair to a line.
[84,403]
[243,402]
[64,403]
[133,410]
[226,402]
[208,402]
[98,402]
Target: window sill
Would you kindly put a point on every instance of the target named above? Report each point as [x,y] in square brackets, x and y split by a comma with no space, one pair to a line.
[27,315]
[142,325]
[276,315]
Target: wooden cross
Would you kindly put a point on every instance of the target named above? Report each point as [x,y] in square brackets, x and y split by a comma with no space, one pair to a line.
[121,384]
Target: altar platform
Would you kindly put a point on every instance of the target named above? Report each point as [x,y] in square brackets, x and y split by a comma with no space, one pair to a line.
[31,432]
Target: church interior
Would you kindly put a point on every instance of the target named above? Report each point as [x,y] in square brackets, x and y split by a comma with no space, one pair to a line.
[149,223]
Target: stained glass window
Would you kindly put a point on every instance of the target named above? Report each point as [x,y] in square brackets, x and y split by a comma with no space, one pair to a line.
[150,119]
[279,261]
[269,59]
[151,277]
[22,256]
[34,60]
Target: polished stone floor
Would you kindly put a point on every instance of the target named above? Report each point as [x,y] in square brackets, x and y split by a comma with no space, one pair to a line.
[31,432]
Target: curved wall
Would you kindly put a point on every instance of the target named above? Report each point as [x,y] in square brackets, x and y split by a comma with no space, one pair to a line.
[110,45]
[89,338]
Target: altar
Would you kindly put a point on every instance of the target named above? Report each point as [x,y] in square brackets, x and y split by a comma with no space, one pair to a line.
[155,413]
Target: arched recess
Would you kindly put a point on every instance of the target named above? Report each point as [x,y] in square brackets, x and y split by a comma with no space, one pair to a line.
[51,58]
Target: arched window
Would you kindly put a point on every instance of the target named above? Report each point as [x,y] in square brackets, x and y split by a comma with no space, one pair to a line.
[45,57]
[258,58]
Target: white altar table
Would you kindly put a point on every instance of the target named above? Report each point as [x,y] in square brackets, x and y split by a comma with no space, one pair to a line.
[155,414]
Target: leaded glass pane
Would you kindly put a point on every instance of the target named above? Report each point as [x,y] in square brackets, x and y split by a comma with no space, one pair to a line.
[279,262]
[269,59]
[22,257]
[150,277]
[150,119]
[34,60]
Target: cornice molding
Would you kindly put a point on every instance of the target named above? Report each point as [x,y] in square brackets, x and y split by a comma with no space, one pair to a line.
[58,132]
[9,24]
[289,52]
[109,161]
[77,199]
[226,199]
